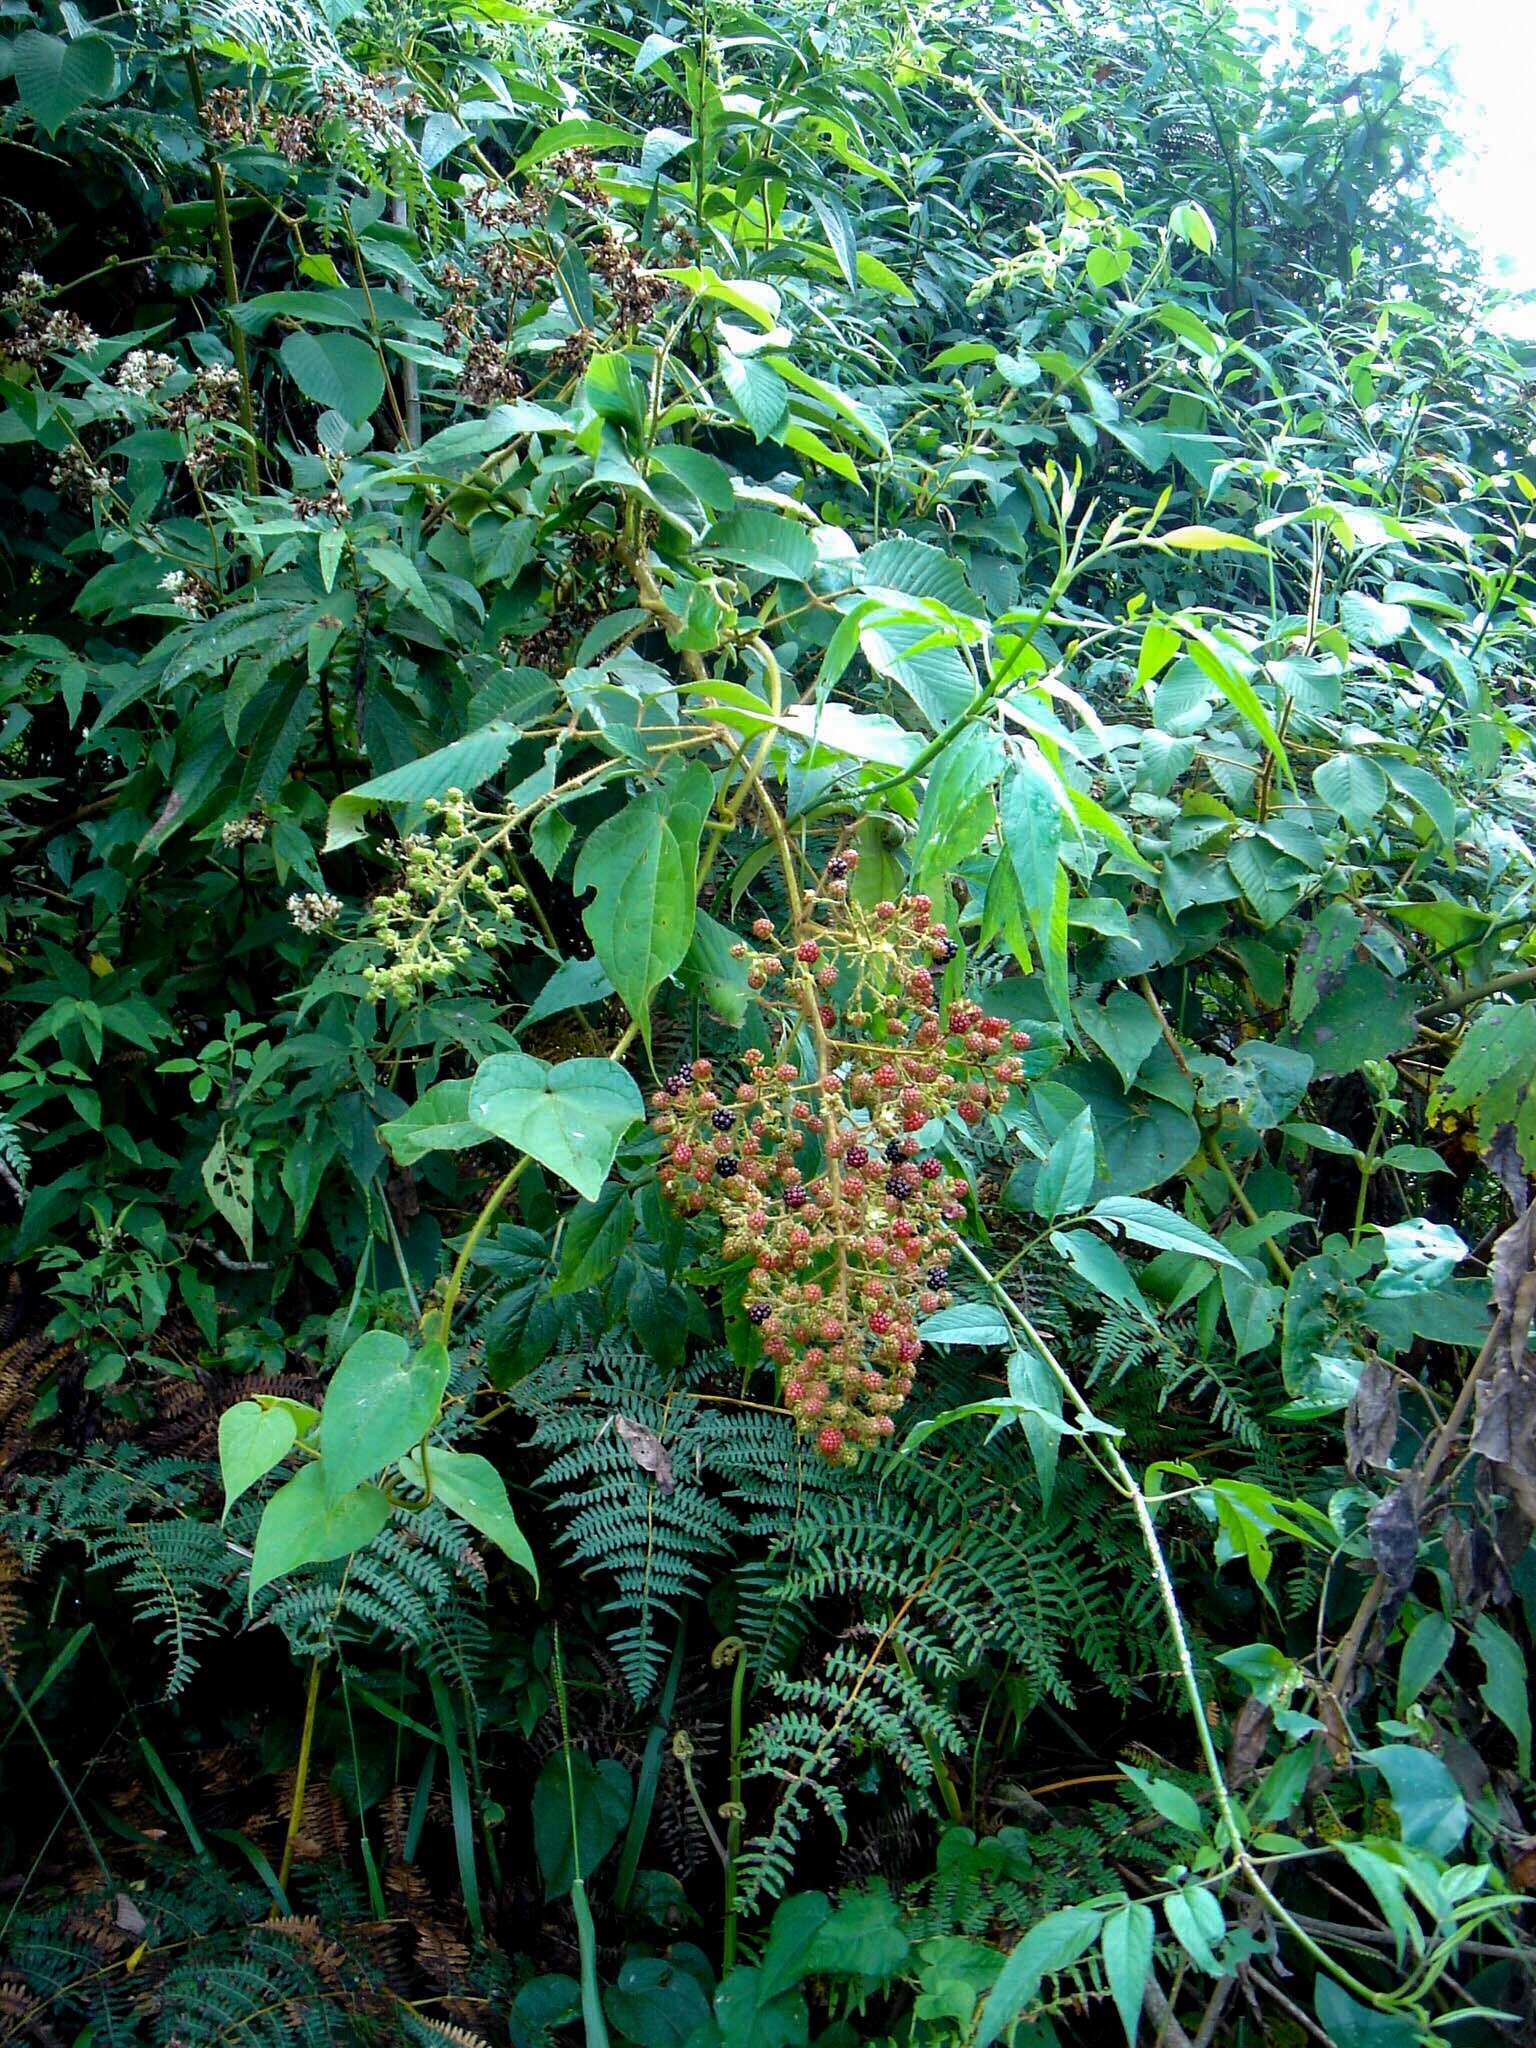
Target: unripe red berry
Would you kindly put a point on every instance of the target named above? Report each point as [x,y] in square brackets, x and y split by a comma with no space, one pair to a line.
[914,1119]
[882,1322]
[930,1168]
[1019,1040]
[829,1441]
[762,928]
[857,1155]
[885,910]
[794,1393]
[808,951]
[971,1112]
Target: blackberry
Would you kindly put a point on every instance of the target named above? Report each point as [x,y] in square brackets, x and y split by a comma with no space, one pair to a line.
[795,1197]
[937,1276]
[726,1166]
[837,869]
[857,1156]
[943,951]
[677,1084]
[898,1187]
[895,1150]
[723,1120]
[758,1313]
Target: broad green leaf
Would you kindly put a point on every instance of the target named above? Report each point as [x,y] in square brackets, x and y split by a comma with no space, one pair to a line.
[1506,1687]
[1352,785]
[437,1121]
[338,371]
[614,392]
[967,1322]
[55,78]
[382,1399]
[1030,810]
[765,542]
[640,865]
[1489,1073]
[1421,1256]
[599,1795]
[1367,619]
[304,1524]
[1057,1941]
[1037,1391]
[1126,1941]
[1430,1808]
[464,764]
[1067,1175]
[252,1440]
[1150,1223]
[1124,1029]
[1170,1800]
[1423,1658]
[569,1117]
[476,1492]
[1346,2023]
[1196,1922]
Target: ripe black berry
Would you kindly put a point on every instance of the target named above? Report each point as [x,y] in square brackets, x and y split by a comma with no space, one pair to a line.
[898,1187]
[837,868]
[725,1166]
[943,951]
[723,1120]
[759,1313]
[894,1150]
[937,1276]
[675,1084]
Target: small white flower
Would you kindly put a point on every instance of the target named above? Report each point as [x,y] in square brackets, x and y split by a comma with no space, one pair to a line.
[243,831]
[312,913]
[143,370]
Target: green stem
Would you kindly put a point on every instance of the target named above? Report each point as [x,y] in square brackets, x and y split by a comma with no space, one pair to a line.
[1367,1164]
[300,1776]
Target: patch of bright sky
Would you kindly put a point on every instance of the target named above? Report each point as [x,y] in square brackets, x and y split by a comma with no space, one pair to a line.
[1490,46]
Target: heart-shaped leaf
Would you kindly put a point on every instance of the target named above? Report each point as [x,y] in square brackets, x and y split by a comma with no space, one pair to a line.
[472,1487]
[569,1117]
[382,1400]
[303,1524]
[252,1439]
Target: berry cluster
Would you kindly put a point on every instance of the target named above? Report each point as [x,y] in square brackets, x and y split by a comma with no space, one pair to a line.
[814,1163]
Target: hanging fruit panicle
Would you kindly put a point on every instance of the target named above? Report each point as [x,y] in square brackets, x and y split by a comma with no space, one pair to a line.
[813,1163]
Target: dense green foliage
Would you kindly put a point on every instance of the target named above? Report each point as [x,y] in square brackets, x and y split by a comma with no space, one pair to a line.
[599,609]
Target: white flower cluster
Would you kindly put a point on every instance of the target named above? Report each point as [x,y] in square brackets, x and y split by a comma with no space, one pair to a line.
[25,292]
[188,593]
[313,913]
[144,370]
[218,378]
[243,831]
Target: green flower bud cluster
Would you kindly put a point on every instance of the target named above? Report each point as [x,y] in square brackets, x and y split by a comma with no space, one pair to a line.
[449,902]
